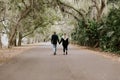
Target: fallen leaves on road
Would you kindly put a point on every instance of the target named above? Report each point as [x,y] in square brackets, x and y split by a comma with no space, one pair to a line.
[7,54]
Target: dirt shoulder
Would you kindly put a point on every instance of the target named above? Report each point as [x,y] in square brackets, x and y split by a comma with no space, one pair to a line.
[97,51]
[7,54]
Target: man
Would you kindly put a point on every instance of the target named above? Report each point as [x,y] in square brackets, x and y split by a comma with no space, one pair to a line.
[54,40]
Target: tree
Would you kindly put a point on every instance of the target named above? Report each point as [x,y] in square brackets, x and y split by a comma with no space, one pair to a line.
[38,18]
[21,15]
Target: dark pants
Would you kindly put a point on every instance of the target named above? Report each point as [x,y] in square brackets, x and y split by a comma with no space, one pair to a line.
[65,48]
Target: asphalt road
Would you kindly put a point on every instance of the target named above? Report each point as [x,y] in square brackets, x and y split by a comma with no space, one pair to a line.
[40,64]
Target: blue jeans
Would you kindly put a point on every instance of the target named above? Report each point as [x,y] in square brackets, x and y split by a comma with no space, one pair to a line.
[54,48]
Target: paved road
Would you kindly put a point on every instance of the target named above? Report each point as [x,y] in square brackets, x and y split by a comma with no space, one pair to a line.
[40,64]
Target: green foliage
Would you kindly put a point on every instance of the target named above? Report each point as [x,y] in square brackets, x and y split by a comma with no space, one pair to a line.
[113,1]
[86,36]
[104,34]
[110,41]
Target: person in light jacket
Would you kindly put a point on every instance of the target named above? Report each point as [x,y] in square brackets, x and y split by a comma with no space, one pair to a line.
[65,42]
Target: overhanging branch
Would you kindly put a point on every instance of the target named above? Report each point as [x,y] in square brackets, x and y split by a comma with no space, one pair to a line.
[71,7]
[31,31]
[72,15]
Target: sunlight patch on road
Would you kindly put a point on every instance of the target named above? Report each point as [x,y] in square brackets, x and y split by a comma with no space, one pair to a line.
[45,43]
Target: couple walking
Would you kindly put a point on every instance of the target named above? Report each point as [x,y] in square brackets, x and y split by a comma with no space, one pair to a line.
[64,41]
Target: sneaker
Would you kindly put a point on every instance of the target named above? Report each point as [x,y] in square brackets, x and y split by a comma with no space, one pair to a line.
[54,53]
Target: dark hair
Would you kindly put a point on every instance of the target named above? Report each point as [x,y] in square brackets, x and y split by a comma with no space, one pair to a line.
[54,32]
[64,33]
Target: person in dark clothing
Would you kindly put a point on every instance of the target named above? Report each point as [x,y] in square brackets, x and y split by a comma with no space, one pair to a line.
[64,40]
[54,40]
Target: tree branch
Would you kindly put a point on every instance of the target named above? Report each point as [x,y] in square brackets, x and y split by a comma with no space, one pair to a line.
[99,10]
[24,4]
[1,20]
[72,15]
[102,5]
[65,5]
[96,5]
[31,31]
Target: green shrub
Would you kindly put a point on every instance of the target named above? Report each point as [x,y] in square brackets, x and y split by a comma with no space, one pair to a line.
[105,34]
[110,40]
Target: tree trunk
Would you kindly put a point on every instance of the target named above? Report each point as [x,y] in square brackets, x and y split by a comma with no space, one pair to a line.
[20,39]
[24,14]
[0,42]
[99,9]
[10,43]
[12,38]
[14,42]
[28,41]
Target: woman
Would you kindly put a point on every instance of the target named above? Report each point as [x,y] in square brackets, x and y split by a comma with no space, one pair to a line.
[64,40]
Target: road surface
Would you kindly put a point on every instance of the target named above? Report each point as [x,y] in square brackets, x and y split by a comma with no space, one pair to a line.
[39,63]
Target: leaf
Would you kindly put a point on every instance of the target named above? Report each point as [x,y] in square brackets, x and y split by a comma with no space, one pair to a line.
[109,34]
[86,38]
[101,27]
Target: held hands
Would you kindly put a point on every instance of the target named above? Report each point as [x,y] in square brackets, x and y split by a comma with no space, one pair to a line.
[59,42]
